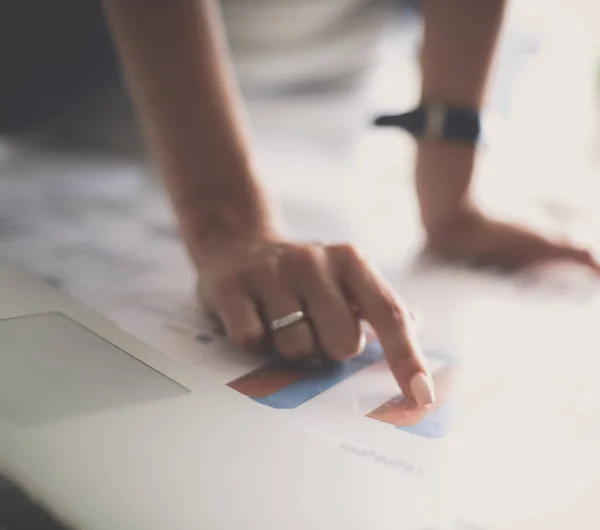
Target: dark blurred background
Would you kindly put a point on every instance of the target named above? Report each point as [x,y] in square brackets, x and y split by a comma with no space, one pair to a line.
[52,55]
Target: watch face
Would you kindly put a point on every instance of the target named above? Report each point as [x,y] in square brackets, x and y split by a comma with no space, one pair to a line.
[462,124]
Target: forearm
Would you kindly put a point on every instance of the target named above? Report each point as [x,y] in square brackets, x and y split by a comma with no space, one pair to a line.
[459,45]
[175,64]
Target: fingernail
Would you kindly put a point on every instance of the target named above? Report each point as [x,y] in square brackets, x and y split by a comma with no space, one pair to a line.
[422,389]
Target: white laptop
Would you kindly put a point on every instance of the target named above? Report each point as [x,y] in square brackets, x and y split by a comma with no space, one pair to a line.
[112,435]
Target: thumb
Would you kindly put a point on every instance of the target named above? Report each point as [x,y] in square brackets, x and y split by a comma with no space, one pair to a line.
[577,255]
[586,257]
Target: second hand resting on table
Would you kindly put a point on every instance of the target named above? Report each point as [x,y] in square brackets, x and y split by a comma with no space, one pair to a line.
[176,65]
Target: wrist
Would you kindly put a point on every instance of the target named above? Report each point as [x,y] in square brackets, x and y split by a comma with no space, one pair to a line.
[211,226]
[444,173]
[453,225]
[207,226]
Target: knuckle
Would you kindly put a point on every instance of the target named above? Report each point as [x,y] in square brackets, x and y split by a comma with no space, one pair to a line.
[407,355]
[269,261]
[258,273]
[301,259]
[308,256]
[347,252]
[268,264]
[392,311]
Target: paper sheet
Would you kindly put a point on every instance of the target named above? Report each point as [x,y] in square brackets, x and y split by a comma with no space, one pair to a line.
[517,394]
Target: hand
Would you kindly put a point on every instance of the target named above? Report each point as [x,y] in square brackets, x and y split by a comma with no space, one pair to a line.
[249,284]
[456,229]
[471,237]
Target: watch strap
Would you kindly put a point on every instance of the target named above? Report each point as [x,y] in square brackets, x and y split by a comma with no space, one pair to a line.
[437,122]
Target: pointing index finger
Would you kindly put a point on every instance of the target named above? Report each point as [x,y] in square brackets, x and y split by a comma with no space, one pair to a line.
[391,321]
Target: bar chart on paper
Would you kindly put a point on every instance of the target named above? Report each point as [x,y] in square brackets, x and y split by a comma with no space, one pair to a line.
[282,386]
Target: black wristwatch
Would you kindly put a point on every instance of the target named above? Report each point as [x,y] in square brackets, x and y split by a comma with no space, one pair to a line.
[437,122]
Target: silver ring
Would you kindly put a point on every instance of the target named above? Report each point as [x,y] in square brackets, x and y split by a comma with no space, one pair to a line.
[287,321]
